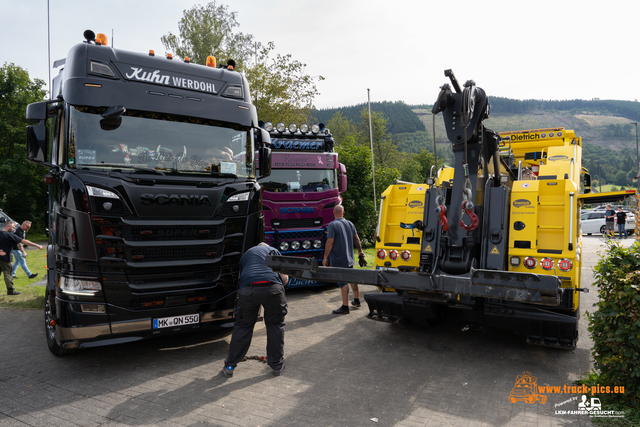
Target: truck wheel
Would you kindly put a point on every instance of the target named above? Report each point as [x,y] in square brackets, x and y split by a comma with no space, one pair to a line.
[50,331]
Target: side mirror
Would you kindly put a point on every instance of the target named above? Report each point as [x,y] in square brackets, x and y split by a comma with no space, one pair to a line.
[587,183]
[264,153]
[37,111]
[342,178]
[265,161]
[37,143]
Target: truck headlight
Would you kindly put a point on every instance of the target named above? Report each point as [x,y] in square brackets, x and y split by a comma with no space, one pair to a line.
[76,286]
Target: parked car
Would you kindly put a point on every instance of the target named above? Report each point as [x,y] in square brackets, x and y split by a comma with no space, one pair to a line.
[3,219]
[594,222]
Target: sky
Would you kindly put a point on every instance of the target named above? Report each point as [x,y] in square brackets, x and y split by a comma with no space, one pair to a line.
[398,49]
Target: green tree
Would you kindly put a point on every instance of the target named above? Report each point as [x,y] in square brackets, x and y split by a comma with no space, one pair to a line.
[22,191]
[280,89]
[341,127]
[358,199]
[210,31]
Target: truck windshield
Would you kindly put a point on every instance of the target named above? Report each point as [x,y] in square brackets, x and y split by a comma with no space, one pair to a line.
[302,180]
[162,142]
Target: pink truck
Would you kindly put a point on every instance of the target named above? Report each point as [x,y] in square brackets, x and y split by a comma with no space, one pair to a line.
[299,195]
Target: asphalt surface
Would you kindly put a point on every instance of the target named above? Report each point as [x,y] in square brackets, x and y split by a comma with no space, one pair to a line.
[341,370]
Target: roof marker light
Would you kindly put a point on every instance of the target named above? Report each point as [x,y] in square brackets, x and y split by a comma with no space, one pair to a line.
[151,52]
[169,56]
[186,59]
[211,61]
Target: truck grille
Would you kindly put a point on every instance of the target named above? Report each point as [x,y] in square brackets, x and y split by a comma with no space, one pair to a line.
[173,253]
[172,232]
[296,222]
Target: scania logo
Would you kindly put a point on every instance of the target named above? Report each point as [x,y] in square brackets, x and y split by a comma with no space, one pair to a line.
[521,203]
[558,158]
[178,199]
[302,209]
[415,204]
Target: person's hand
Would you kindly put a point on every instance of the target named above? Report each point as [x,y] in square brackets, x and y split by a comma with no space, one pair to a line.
[325,261]
[39,247]
[24,254]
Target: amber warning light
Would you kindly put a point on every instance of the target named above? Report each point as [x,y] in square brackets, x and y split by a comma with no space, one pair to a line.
[101,39]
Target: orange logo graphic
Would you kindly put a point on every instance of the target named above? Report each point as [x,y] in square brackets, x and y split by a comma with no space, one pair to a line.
[526,390]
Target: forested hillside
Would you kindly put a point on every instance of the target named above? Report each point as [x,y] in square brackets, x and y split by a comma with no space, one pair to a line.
[609,138]
[400,116]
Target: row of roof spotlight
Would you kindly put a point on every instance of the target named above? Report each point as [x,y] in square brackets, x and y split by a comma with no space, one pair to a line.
[295,245]
[293,128]
[393,254]
[546,263]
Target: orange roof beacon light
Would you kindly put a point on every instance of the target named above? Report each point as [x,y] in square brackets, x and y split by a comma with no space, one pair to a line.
[101,39]
[151,52]
[169,56]
[211,61]
[186,59]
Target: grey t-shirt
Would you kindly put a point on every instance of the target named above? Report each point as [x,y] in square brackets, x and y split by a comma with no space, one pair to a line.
[342,231]
[252,268]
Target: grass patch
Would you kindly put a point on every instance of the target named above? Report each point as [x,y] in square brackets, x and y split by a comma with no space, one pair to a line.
[32,296]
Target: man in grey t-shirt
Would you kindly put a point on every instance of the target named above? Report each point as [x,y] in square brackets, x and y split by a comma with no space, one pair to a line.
[341,236]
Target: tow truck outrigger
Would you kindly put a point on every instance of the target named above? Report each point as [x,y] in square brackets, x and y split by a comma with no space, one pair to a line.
[490,241]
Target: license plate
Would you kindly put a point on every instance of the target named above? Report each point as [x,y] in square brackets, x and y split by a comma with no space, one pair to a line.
[169,322]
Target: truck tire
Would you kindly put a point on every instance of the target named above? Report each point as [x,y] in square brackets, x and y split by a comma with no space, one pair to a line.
[50,331]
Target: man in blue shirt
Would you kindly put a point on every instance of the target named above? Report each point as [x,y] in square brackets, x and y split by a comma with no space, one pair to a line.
[341,236]
[258,285]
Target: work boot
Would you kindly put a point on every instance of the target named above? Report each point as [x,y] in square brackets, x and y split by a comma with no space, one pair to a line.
[228,371]
[14,293]
[342,310]
[278,372]
[356,302]
[33,276]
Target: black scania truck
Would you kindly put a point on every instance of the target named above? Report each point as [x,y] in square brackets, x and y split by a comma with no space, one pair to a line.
[153,194]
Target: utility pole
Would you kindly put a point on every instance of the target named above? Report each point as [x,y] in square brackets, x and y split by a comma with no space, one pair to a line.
[637,212]
[373,167]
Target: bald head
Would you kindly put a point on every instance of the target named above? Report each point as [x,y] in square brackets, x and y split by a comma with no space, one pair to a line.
[338,211]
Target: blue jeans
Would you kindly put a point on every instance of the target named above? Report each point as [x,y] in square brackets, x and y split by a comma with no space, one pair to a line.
[22,261]
[622,229]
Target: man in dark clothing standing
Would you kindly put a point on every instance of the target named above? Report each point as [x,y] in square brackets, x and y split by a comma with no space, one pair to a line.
[341,237]
[19,253]
[7,242]
[610,216]
[621,218]
[258,285]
